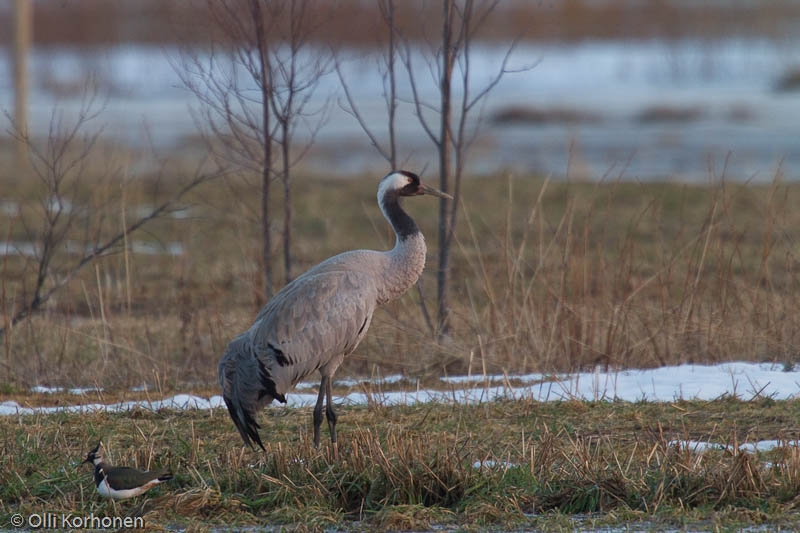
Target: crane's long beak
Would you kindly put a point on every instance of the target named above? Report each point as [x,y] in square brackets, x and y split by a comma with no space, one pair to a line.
[425,189]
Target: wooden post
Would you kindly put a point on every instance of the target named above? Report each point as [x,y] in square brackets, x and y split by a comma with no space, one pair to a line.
[23,33]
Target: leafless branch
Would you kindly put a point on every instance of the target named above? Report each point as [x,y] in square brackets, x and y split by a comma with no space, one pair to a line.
[353,110]
[460,24]
[60,165]
[257,94]
[417,101]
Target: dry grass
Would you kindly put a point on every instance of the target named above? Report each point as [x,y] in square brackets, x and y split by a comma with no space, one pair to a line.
[547,276]
[407,468]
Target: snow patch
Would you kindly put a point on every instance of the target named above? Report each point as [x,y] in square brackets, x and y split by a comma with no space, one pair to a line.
[177,402]
[490,463]
[748,447]
[745,381]
[43,389]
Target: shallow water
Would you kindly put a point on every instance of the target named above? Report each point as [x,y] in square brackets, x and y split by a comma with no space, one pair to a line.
[31,249]
[730,82]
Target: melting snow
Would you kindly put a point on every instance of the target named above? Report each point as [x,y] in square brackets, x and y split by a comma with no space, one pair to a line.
[698,446]
[41,389]
[745,381]
[685,382]
[179,401]
[490,463]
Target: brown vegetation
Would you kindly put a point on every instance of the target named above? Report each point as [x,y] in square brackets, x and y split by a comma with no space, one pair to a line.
[500,465]
[668,113]
[789,81]
[519,114]
[547,276]
[104,22]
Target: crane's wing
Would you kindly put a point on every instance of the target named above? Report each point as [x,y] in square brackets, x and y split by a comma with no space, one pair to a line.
[321,316]
[309,325]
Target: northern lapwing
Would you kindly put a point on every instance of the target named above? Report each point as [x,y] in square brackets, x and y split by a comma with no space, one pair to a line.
[121,482]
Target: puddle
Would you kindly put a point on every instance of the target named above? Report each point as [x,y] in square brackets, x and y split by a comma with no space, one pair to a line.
[30,249]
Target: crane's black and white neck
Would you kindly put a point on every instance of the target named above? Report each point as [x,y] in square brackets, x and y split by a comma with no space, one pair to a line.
[407,258]
[396,184]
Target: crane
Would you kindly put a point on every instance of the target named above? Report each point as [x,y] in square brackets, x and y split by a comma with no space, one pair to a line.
[319,318]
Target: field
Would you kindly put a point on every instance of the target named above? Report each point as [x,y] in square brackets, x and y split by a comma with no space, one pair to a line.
[554,279]
[501,465]
[549,276]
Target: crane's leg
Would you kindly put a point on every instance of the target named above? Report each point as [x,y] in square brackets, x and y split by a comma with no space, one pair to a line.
[318,408]
[330,414]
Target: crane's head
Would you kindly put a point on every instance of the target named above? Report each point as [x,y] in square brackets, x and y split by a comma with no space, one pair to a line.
[405,183]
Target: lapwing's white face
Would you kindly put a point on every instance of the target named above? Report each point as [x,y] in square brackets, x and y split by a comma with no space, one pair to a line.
[95,456]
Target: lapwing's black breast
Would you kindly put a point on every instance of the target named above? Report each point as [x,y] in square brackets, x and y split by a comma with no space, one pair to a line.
[98,474]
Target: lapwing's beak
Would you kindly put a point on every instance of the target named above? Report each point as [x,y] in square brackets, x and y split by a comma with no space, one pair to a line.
[425,189]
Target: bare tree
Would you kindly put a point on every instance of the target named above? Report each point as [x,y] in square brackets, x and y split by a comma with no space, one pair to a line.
[449,63]
[254,87]
[23,32]
[448,60]
[67,233]
[443,145]
[387,68]
[233,83]
[297,68]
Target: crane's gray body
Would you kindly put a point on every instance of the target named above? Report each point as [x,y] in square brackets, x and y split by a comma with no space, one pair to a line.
[319,318]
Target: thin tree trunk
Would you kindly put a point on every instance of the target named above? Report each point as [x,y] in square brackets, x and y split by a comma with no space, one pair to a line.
[266,253]
[266,168]
[388,13]
[443,274]
[392,83]
[287,206]
[285,118]
[23,31]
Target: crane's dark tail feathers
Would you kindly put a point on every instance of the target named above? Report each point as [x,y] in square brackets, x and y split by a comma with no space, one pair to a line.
[246,424]
[165,476]
[247,387]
